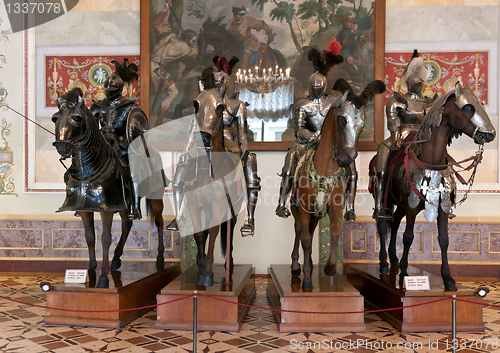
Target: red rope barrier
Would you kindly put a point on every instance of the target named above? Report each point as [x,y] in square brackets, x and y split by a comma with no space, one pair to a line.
[326,312]
[248,305]
[470,302]
[95,311]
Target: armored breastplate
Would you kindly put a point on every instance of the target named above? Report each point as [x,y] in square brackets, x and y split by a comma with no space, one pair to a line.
[315,115]
[117,117]
[414,114]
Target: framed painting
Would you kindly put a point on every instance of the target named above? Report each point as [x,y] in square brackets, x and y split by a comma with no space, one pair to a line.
[179,38]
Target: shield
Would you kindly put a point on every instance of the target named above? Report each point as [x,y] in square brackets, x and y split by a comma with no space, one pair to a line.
[137,124]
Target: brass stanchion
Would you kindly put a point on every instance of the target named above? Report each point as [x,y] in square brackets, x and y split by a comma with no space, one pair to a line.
[195,319]
[454,322]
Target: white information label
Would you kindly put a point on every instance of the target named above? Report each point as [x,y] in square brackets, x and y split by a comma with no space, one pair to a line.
[417,283]
[76,276]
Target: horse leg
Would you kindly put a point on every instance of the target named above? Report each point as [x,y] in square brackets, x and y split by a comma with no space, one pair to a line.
[443,239]
[88,224]
[306,241]
[398,216]
[157,205]
[295,252]
[200,238]
[335,214]
[382,255]
[126,226]
[208,279]
[223,240]
[407,241]
[107,220]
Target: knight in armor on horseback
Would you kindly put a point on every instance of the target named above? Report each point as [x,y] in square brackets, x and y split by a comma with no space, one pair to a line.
[235,140]
[310,114]
[405,113]
[121,122]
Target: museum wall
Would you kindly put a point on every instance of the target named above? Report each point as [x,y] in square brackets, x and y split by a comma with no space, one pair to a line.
[458,24]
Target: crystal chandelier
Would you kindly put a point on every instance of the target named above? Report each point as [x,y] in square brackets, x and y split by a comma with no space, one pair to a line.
[264,80]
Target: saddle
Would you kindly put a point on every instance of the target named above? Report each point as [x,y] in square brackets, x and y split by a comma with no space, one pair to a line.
[394,160]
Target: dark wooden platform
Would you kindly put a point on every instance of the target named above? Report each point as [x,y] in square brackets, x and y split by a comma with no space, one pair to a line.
[384,291]
[212,315]
[285,292]
[134,285]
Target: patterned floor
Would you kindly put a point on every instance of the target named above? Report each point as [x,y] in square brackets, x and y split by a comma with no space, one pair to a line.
[22,330]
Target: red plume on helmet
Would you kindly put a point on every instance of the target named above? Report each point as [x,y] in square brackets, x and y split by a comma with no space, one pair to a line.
[222,64]
[331,57]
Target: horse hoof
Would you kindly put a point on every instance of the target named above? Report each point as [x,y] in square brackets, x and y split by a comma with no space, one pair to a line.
[395,263]
[160,261]
[199,280]
[92,276]
[116,264]
[296,273]
[208,281]
[330,270]
[103,282]
[384,270]
[450,285]
[307,285]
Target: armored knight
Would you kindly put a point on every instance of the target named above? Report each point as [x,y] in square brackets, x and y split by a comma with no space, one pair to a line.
[235,140]
[404,115]
[310,113]
[121,122]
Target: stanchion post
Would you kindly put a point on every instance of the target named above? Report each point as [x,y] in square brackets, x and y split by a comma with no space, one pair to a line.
[454,322]
[195,319]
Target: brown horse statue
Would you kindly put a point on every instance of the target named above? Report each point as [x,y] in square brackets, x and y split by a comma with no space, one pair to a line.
[422,176]
[320,185]
[93,181]
[214,189]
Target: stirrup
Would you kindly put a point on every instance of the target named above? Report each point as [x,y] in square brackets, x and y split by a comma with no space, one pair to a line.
[135,214]
[349,216]
[282,211]
[247,230]
[174,225]
[380,214]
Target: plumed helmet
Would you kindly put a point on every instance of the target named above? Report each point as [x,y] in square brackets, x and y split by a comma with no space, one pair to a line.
[415,74]
[317,85]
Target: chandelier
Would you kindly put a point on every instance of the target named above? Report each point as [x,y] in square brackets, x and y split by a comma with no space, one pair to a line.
[264,80]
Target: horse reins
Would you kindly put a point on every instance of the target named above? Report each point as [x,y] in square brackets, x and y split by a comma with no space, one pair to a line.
[476,159]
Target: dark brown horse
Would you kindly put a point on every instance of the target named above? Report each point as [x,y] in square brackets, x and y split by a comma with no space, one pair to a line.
[93,182]
[431,186]
[227,44]
[320,179]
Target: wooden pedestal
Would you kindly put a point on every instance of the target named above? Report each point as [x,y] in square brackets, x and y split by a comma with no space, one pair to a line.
[131,287]
[383,291]
[213,314]
[284,292]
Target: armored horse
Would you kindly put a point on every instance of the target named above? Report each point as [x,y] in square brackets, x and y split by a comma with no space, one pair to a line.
[422,177]
[91,181]
[320,183]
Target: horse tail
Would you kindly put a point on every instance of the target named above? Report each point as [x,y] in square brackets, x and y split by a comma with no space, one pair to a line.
[150,211]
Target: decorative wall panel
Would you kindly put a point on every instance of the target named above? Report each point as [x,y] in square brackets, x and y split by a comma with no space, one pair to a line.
[469,243]
[65,240]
